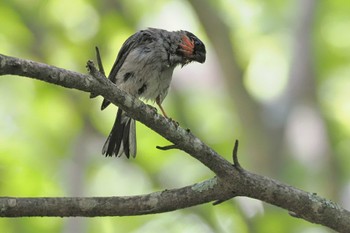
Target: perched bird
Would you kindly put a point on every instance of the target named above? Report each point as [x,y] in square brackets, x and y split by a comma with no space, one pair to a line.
[144,68]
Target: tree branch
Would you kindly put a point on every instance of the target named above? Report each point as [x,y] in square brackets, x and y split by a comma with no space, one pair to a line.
[228,183]
[157,202]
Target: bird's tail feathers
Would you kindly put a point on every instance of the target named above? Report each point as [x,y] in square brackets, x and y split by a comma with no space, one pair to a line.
[122,138]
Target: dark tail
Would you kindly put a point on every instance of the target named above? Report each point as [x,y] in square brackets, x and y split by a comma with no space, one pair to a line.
[122,138]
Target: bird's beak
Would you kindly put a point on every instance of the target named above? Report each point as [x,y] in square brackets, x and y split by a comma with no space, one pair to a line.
[199,57]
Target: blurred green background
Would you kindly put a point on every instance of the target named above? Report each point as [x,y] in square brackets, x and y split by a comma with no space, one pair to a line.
[276,78]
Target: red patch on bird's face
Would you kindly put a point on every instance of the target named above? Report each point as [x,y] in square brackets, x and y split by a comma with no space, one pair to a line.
[187,46]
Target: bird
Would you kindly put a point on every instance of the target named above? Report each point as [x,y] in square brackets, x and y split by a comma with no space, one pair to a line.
[143,68]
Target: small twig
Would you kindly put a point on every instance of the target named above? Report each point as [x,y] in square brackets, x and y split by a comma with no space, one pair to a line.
[93,71]
[235,157]
[99,61]
[167,147]
[236,165]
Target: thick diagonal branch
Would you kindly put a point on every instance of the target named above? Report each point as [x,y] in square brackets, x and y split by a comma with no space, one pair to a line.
[135,108]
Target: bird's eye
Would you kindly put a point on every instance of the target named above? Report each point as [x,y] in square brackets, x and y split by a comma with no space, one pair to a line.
[197,42]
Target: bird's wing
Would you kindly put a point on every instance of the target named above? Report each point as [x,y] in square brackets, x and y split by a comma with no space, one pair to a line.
[138,39]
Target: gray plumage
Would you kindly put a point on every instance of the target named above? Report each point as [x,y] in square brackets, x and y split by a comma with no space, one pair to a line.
[144,68]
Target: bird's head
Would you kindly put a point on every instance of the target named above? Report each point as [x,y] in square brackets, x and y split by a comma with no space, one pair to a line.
[191,48]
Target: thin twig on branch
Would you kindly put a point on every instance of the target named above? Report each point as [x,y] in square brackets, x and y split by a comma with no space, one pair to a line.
[169,147]
[99,61]
[236,163]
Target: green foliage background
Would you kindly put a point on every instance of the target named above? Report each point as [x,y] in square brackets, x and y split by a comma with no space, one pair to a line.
[51,137]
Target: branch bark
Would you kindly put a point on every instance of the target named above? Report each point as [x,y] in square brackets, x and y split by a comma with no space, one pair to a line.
[228,182]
